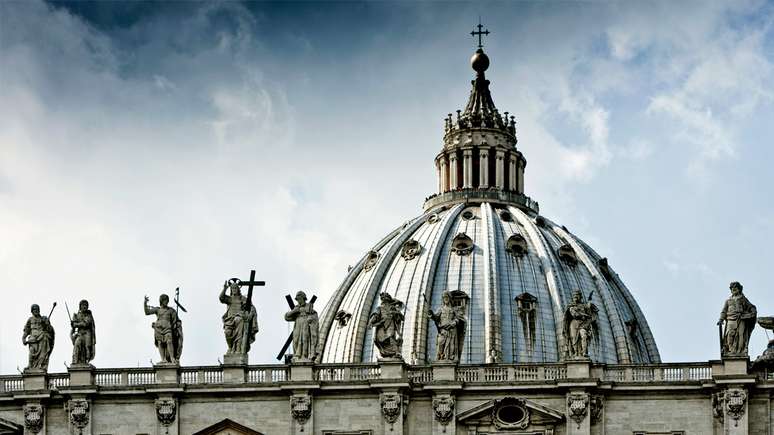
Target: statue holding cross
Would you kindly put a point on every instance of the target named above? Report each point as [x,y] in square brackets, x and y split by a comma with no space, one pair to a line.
[240,321]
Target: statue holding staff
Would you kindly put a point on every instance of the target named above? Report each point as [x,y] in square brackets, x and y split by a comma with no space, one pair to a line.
[450,323]
[739,316]
[579,326]
[167,330]
[82,334]
[39,336]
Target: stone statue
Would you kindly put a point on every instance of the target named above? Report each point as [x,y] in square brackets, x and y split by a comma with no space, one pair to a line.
[450,322]
[239,314]
[579,326]
[305,329]
[767,358]
[82,334]
[168,330]
[388,321]
[39,336]
[739,316]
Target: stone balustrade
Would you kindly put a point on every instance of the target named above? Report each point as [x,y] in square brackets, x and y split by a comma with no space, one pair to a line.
[415,374]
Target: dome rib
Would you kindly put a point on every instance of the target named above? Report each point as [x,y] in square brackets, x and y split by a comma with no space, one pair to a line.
[493,343]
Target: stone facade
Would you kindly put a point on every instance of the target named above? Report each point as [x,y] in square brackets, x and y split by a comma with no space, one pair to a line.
[579,397]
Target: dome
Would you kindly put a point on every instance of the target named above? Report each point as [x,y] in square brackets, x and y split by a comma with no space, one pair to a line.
[511,271]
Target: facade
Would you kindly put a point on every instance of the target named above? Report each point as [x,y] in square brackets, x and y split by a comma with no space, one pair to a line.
[480,316]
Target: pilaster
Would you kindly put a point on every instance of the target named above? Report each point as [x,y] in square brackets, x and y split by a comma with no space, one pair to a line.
[452,171]
[444,413]
[500,169]
[483,171]
[578,412]
[467,168]
[512,173]
[444,175]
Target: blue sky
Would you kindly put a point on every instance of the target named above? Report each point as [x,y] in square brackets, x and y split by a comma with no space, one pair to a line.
[145,146]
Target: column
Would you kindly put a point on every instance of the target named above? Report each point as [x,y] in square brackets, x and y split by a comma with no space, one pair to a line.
[512,173]
[467,168]
[520,176]
[500,169]
[444,175]
[452,171]
[484,168]
[438,175]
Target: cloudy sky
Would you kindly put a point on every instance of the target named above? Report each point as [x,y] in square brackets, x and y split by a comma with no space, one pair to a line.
[145,146]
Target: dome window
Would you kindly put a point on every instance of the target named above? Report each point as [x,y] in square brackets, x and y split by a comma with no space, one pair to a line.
[506,217]
[604,268]
[370,261]
[516,245]
[468,215]
[410,250]
[433,218]
[567,254]
[462,244]
[540,221]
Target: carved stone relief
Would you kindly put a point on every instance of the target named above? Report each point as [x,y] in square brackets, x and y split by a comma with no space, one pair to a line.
[735,399]
[578,407]
[410,250]
[371,259]
[443,408]
[33,417]
[78,410]
[391,407]
[462,244]
[342,318]
[301,409]
[718,406]
[597,405]
[166,411]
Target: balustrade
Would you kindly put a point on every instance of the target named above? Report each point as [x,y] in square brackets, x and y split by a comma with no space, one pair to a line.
[657,373]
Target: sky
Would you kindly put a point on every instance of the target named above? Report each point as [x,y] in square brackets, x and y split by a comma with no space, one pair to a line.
[149,146]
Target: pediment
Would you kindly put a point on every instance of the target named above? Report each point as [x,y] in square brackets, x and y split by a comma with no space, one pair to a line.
[227,427]
[511,413]
[8,427]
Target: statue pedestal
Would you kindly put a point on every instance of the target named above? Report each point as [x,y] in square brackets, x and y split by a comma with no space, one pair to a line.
[735,365]
[392,368]
[445,371]
[166,373]
[234,368]
[302,371]
[34,380]
[578,368]
[81,375]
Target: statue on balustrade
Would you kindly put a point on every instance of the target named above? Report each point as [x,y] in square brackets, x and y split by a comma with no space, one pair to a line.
[39,336]
[766,360]
[82,334]
[240,321]
[168,330]
[305,329]
[450,323]
[388,322]
[579,326]
[739,316]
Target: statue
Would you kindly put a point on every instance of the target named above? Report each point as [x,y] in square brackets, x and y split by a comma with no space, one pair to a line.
[240,321]
[39,336]
[168,330]
[579,326]
[766,359]
[305,329]
[739,316]
[388,321]
[450,322]
[82,334]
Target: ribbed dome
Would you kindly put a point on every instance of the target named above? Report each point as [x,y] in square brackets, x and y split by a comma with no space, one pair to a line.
[510,270]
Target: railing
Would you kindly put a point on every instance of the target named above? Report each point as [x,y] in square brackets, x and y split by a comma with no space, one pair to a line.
[343,373]
[511,373]
[657,373]
[58,380]
[11,383]
[420,374]
[268,374]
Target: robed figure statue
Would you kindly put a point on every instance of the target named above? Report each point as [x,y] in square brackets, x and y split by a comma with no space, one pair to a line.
[579,326]
[39,336]
[239,314]
[450,323]
[739,316]
[167,330]
[82,335]
[388,321]
[305,329]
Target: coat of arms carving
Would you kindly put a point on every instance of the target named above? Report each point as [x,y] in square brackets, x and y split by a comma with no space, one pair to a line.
[33,417]
[78,410]
[578,406]
[391,404]
[443,407]
[301,409]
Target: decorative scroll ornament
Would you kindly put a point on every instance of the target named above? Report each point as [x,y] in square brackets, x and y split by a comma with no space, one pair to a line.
[443,407]
[718,405]
[391,404]
[371,259]
[597,404]
[79,413]
[33,417]
[301,409]
[510,413]
[578,407]
[411,250]
[166,410]
[735,401]
[462,244]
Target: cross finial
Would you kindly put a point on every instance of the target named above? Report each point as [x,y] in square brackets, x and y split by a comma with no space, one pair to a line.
[479,33]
